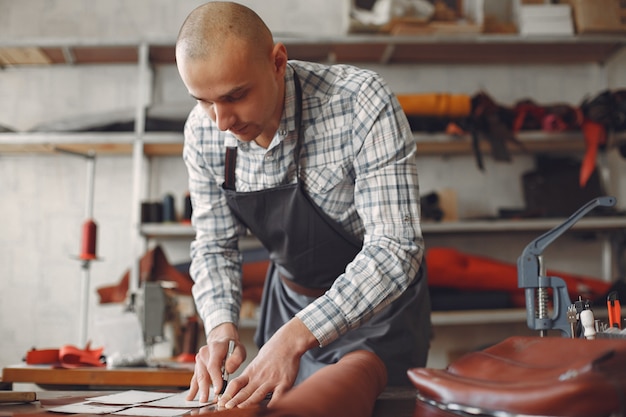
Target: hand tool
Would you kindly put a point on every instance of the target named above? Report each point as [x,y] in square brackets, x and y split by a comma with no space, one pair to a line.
[532,277]
[587,321]
[614,309]
[225,375]
[572,319]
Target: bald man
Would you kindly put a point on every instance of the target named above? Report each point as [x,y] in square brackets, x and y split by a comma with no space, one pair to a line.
[318,162]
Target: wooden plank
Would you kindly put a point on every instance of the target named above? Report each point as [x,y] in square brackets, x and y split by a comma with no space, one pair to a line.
[17,396]
[105,54]
[123,377]
[163,149]
[23,56]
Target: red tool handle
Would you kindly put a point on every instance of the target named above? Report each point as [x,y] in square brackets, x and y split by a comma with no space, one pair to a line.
[615,313]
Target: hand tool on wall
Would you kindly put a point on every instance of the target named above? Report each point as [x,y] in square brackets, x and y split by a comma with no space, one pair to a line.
[531,274]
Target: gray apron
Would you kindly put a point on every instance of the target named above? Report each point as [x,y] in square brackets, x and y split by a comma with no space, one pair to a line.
[308,250]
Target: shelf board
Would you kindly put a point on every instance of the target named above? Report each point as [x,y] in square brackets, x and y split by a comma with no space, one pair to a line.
[433,48]
[468,317]
[522,225]
[112,143]
[180,230]
[464,317]
[531,142]
[453,318]
[171,143]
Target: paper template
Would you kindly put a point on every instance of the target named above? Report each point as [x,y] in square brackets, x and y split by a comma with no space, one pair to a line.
[86,408]
[137,403]
[131,397]
[152,412]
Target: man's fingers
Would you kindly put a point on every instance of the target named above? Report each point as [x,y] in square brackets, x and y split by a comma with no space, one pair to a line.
[248,397]
[193,388]
[235,360]
[203,380]
[216,380]
[278,392]
[232,389]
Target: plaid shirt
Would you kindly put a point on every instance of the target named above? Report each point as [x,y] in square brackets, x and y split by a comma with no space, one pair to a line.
[357,163]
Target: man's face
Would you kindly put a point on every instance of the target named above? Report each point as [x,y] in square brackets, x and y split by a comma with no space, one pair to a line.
[238,89]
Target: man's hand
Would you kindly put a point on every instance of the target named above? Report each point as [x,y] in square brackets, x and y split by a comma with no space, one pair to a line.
[274,369]
[210,359]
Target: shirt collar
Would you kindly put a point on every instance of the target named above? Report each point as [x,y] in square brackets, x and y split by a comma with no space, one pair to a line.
[288,119]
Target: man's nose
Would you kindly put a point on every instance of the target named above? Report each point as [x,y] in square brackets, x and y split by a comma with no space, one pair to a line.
[224,117]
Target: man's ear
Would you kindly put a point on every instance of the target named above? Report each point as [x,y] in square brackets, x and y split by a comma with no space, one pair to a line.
[279,55]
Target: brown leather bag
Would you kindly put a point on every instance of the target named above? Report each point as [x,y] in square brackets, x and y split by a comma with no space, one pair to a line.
[549,376]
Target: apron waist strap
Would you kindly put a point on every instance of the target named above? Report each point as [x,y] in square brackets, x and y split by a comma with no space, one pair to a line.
[308,292]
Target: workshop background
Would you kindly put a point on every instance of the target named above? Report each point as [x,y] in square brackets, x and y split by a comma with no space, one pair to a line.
[43,193]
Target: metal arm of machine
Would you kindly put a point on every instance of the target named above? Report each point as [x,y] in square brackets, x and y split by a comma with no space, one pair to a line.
[531,275]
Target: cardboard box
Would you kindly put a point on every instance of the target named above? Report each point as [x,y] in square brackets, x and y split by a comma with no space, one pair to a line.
[599,16]
[545,19]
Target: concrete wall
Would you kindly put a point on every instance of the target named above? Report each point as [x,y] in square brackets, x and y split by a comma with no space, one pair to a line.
[43,196]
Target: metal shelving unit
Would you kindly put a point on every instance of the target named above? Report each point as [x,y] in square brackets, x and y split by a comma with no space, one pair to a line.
[426,49]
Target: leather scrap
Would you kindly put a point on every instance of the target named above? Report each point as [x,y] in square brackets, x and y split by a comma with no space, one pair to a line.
[451,268]
[595,137]
[494,123]
[68,356]
[153,266]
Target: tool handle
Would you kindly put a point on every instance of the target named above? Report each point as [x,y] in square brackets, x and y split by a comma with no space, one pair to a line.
[615,313]
[588,322]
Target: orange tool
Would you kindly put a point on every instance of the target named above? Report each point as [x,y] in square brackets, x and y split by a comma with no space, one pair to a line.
[615,311]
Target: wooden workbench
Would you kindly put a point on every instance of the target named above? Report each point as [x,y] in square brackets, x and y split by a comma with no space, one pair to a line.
[396,402]
[98,378]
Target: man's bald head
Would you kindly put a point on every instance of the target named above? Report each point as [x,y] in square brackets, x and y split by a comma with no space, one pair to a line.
[209,28]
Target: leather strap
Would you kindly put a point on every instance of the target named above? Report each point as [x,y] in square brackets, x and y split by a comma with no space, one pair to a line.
[67,356]
[595,136]
[229,168]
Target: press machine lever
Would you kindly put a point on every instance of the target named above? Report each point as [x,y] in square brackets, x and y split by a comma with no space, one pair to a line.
[531,275]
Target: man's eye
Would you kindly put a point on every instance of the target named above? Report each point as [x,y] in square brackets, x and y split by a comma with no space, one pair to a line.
[237,97]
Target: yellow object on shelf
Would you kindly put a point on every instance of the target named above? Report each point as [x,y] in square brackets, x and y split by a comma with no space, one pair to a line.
[436,104]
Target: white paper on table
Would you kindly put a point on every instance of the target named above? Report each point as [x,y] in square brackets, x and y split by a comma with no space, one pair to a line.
[86,408]
[180,401]
[131,397]
[152,411]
